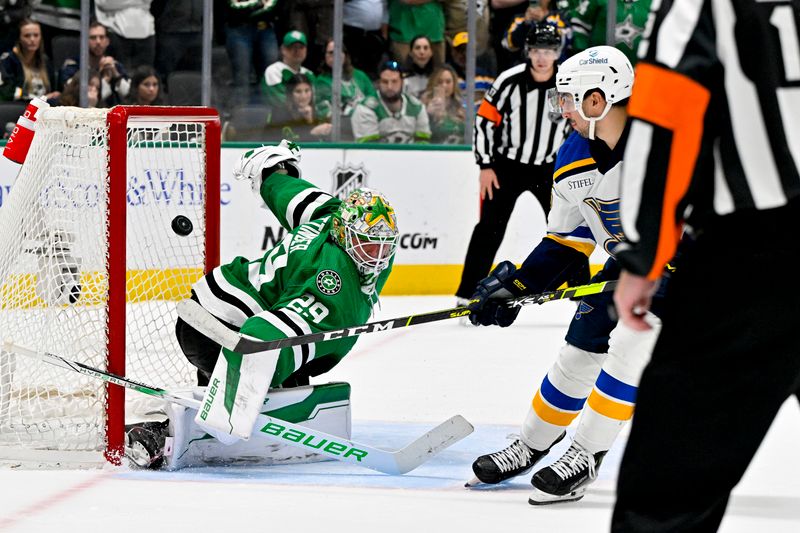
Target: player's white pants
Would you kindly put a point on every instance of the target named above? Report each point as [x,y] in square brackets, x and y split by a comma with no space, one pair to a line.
[611,402]
[561,396]
[609,382]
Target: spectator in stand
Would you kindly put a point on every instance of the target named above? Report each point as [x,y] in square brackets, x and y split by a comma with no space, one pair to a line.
[132,30]
[483,80]
[145,87]
[71,94]
[26,71]
[146,90]
[588,21]
[315,19]
[296,119]
[455,16]
[366,31]
[11,12]
[293,53]
[409,18]
[251,42]
[56,17]
[543,10]
[114,81]
[356,86]
[393,117]
[418,66]
[445,107]
[179,35]
[503,13]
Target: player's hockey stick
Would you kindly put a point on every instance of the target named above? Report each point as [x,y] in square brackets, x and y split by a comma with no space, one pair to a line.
[207,324]
[389,462]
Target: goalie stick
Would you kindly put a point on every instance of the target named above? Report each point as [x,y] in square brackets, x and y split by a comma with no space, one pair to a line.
[391,462]
[196,316]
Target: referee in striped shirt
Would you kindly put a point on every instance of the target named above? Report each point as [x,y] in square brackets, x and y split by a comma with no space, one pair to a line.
[713,147]
[516,141]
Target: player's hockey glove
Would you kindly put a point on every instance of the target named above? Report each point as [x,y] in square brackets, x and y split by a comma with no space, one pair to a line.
[259,163]
[488,305]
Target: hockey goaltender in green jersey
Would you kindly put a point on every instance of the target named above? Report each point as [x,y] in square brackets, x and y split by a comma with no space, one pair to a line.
[325,274]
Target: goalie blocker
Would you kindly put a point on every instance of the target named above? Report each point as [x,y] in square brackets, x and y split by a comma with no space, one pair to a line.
[179,442]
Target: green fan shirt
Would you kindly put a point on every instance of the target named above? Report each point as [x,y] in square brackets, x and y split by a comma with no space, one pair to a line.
[588,21]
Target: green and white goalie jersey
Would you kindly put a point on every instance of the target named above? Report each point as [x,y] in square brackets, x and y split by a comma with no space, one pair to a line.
[306,283]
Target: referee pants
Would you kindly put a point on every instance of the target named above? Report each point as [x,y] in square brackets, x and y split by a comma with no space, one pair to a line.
[514,179]
[727,359]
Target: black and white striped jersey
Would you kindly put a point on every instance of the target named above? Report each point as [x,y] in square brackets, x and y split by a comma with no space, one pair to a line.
[514,122]
[715,120]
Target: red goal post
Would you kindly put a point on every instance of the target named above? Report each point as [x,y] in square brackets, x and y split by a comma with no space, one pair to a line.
[91,267]
[118,120]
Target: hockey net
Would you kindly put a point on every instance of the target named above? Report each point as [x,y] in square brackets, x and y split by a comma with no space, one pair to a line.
[91,269]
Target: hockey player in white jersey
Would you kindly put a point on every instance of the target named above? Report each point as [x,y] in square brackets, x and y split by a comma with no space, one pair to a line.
[598,369]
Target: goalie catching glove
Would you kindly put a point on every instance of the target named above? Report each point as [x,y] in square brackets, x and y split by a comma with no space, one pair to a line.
[488,303]
[257,164]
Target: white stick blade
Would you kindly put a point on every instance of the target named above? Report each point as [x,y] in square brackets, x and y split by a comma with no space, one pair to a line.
[431,443]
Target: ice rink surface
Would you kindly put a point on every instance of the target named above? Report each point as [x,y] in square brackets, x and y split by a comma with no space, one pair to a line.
[404,382]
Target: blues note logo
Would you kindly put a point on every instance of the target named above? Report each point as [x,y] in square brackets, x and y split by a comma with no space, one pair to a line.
[608,213]
[583,309]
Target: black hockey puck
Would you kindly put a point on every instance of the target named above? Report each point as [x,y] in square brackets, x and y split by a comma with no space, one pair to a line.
[182,225]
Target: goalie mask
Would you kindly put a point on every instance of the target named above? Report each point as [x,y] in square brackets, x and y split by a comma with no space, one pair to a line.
[365,226]
[602,68]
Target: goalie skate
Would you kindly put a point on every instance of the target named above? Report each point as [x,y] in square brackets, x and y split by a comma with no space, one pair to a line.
[144,443]
[566,479]
[512,461]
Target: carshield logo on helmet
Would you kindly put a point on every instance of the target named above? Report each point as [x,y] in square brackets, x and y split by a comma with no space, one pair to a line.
[593,59]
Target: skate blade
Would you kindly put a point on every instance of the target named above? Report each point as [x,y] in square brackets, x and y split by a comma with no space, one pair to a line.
[539,497]
[474,482]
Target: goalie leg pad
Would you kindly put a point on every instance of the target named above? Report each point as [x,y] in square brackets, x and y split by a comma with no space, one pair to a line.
[321,407]
[235,394]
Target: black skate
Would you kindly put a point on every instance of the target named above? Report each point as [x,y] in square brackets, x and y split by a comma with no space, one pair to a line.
[144,443]
[566,479]
[512,461]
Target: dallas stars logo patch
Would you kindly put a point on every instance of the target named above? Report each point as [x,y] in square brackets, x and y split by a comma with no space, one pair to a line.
[329,282]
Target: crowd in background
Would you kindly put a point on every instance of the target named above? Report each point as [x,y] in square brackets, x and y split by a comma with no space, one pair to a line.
[403,77]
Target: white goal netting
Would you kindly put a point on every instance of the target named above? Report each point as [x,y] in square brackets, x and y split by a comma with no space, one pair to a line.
[55,264]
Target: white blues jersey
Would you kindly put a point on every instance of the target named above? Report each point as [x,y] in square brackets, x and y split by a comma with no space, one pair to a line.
[585,209]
